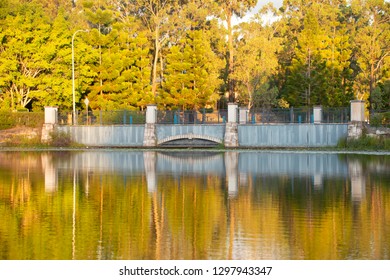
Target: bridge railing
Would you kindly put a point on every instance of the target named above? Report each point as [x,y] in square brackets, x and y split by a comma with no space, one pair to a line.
[191,117]
[257,115]
[297,115]
[120,117]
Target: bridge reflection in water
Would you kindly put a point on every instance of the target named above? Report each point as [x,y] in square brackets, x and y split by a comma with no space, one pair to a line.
[179,204]
[235,166]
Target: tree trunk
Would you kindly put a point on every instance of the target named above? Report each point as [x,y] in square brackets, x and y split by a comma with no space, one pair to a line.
[230,80]
[372,82]
[155,61]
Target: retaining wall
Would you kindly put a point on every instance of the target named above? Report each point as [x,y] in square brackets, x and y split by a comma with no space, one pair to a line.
[255,136]
[291,135]
[110,136]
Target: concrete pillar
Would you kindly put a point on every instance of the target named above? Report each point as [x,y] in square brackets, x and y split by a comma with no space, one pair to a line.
[243,115]
[151,114]
[51,115]
[231,127]
[356,125]
[51,119]
[357,111]
[317,113]
[232,112]
[150,138]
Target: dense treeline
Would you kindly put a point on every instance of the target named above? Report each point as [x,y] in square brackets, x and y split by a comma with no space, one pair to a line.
[188,54]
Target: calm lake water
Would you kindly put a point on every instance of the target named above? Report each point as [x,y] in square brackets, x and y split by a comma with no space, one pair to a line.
[119,204]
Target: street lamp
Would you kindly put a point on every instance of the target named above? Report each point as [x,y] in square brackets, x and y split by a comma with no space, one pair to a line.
[73,84]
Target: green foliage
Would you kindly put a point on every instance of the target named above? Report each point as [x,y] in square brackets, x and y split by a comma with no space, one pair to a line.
[23,58]
[380,119]
[60,139]
[28,119]
[319,70]
[6,120]
[365,143]
[177,54]
[191,78]
[119,117]
[25,141]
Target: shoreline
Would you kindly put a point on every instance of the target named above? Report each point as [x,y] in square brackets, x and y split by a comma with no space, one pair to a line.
[216,150]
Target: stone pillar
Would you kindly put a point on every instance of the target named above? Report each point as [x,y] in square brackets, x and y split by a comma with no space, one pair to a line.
[51,119]
[243,115]
[232,113]
[356,125]
[357,111]
[51,115]
[317,113]
[151,114]
[231,127]
[150,138]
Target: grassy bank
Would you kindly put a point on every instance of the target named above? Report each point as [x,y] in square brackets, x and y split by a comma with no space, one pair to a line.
[25,137]
[365,143]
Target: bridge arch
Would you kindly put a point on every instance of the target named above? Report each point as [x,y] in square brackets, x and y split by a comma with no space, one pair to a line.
[189,139]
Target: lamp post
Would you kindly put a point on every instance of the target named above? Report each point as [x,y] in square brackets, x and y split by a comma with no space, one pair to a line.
[73,83]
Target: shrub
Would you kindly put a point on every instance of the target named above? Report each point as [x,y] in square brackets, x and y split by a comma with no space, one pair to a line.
[60,139]
[13,119]
[365,143]
[23,140]
[380,119]
[6,120]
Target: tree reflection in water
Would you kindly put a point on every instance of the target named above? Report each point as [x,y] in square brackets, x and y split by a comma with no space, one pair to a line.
[194,205]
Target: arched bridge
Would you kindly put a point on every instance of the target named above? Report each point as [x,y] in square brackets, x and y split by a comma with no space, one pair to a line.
[190,135]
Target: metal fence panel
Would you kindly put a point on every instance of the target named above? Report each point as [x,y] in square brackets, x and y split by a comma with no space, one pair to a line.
[191,117]
[291,135]
[121,117]
[121,135]
[297,115]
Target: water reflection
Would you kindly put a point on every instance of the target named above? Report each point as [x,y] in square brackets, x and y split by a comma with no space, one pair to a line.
[51,174]
[358,181]
[194,205]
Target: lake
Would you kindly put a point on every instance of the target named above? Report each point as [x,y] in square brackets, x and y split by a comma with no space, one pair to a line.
[196,205]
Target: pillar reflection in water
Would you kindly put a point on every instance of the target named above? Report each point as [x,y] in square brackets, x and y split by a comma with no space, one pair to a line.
[317,182]
[358,180]
[150,170]
[51,173]
[231,168]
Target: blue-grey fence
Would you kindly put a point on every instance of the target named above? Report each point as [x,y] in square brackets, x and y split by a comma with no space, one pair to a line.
[120,117]
[108,135]
[191,116]
[205,116]
[297,115]
[291,135]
